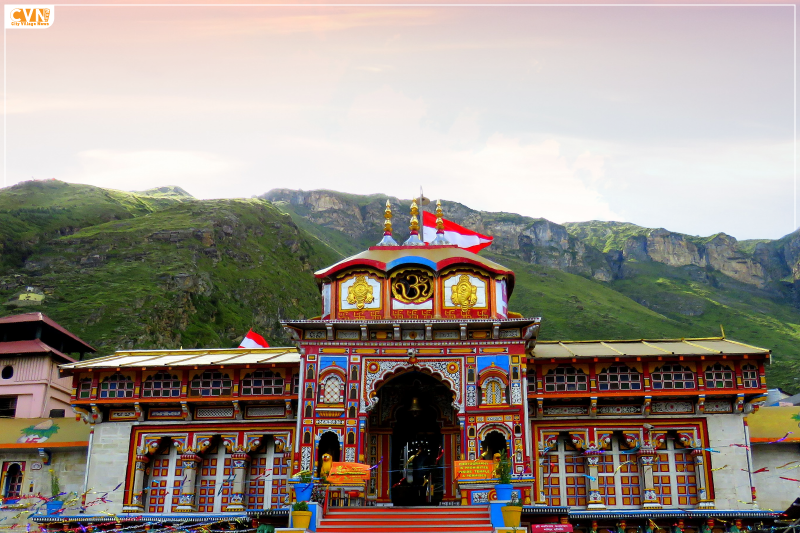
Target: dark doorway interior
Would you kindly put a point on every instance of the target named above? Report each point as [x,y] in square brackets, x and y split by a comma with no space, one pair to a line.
[328,443]
[494,442]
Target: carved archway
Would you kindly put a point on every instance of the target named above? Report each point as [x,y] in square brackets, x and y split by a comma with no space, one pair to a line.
[379,372]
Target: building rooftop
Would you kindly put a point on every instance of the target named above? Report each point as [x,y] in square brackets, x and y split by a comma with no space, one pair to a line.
[31,347]
[26,327]
[173,358]
[643,348]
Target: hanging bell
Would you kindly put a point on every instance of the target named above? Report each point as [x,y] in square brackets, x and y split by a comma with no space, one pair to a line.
[415,408]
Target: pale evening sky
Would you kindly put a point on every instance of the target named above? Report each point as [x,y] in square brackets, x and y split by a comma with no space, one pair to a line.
[664,116]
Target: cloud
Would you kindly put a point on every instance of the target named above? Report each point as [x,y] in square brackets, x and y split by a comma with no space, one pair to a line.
[138,170]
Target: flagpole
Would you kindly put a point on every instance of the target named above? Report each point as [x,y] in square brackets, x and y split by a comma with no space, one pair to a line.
[421,216]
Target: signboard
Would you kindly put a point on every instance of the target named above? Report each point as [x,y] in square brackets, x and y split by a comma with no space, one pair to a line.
[474,469]
[551,528]
[348,473]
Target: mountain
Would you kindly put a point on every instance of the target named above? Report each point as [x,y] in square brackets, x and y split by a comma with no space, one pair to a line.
[160,269]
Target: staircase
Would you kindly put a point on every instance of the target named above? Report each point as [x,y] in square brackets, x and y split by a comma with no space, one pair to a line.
[472,519]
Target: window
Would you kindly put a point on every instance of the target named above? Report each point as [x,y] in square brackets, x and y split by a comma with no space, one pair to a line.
[354,393]
[719,377]
[8,406]
[494,392]
[564,476]
[57,413]
[351,438]
[618,477]
[165,479]
[85,389]
[8,372]
[471,375]
[672,377]
[310,372]
[354,373]
[211,383]
[262,383]
[619,377]
[296,384]
[12,479]
[565,378]
[116,386]
[532,381]
[674,476]
[331,390]
[351,412]
[750,377]
[161,385]
[309,411]
[214,480]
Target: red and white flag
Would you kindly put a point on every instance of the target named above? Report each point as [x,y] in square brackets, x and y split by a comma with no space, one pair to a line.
[253,340]
[455,234]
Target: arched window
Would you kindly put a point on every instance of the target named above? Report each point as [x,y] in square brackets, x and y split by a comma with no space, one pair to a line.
[750,377]
[211,383]
[515,372]
[354,373]
[494,392]
[310,372]
[351,411]
[310,392]
[84,391]
[307,438]
[331,390]
[619,377]
[353,393]
[351,438]
[719,377]
[673,376]
[262,383]
[309,412]
[565,378]
[116,386]
[13,481]
[471,375]
[161,385]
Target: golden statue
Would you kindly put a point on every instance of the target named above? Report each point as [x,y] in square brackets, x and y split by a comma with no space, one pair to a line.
[464,294]
[360,292]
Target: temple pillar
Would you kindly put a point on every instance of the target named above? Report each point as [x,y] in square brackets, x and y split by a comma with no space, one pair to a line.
[137,491]
[186,501]
[700,475]
[595,500]
[240,462]
[646,462]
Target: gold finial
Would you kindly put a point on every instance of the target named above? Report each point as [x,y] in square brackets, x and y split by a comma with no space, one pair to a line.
[439,222]
[387,224]
[414,227]
[387,227]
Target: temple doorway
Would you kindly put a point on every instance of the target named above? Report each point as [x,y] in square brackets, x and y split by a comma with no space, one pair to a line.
[415,412]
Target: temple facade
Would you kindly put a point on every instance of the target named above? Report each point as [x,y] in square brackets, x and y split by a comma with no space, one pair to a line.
[416,366]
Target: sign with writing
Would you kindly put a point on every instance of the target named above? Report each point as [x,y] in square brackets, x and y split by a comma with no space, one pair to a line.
[474,469]
[348,473]
[551,528]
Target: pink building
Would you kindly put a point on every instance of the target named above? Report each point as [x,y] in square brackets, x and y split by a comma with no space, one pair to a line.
[31,348]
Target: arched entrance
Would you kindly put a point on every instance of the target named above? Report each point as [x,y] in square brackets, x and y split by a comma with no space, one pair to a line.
[415,416]
[328,443]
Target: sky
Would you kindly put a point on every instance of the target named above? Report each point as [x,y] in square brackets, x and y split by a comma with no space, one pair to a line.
[669,116]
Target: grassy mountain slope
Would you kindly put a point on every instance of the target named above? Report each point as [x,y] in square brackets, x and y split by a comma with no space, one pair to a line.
[195,274]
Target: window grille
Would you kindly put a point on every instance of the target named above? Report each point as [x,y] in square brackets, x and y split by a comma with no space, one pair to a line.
[564,477]
[674,476]
[161,385]
[116,386]
[565,378]
[750,377]
[331,390]
[673,377]
[211,383]
[493,392]
[13,473]
[262,383]
[296,384]
[719,377]
[85,389]
[8,407]
[619,377]
[618,477]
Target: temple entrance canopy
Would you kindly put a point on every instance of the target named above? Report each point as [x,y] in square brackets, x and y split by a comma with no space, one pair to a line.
[415,412]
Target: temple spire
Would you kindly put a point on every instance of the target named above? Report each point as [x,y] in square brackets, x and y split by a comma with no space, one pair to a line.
[440,239]
[387,227]
[413,238]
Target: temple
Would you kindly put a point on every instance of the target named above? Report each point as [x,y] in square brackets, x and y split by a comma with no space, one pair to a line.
[417,367]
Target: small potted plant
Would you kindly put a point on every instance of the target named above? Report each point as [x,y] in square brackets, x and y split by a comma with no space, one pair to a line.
[512,512]
[304,486]
[301,516]
[54,504]
[503,473]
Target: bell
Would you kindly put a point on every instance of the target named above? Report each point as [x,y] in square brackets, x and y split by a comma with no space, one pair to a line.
[415,408]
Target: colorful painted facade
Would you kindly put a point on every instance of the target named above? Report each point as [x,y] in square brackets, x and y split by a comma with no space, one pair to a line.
[416,363]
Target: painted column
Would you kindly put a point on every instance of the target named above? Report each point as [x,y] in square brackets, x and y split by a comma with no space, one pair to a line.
[240,461]
[137,491]
[595,500]
[700,473]
[646,461]
[186,501]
